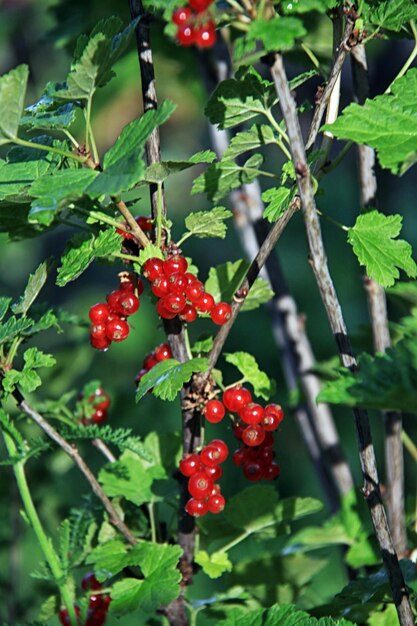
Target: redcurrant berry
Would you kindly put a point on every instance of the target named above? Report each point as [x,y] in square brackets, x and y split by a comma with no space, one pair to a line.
[189,313]
[271,471]
[205,35]
[199,5]
[200,485]
[163,311]
[177,283]
[215,472]
[99,313]
[98,331]
[252,413]
[145,223]
[152,268]
[196,507]
[253,470]
[214,411]
[149,361]
[64,617]
[181,15]
[97,618]
[253,435]
[190,464]
[236,398]
[210,456]
[100,400]
[194,291]
[205,303]
[128,304]
[275,409]
[222,448]
[174,302]
[140,287]
[117,329]
[175,264]
[190,278]
[239,457]
[100,343]
[270,421]
[113,301]
[221,313]
[266,455]
[216,503]
[163,352]
[160,287]
[90,583]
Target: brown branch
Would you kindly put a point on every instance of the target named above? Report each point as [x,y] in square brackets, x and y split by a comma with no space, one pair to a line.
[137,232]
[318,260]
[394,458]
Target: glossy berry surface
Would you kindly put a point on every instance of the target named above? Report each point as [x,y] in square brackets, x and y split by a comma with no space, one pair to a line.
[196,507]
[190,464]
[215,473]
[194,291]
[205,303]
[236,398]
[175,264]
[216,503]
[210,456]
[253,435]
[128,304]
[174,302]
[221,313]
[90,583]
[181,16]
[271,471]
[152,268]
[214,411]
[205,35]
[100,343]
[222,448]
[163,311]
[160,287]
[253,470]
[163,352]
[199,5]
[99,313]
[251,413]
[189,313]
[200,485]
[117,329]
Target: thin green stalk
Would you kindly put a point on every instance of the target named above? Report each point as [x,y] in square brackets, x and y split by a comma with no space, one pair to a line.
[277,127]
[126,257]
[336,161]
[12,352]
[409,445]
[88,124]
[40,146]
[151,512]
[187,343]
[312,57]
[235,542]
[102,217]
[410,59]
[184,238]
[333,221]
[43,540]
[159,217]
[71,138]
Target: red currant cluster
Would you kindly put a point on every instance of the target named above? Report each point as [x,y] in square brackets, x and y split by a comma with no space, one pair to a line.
[108,320]
[97,607]
[145,224]
[194,25]
[161,353]
[180,293]
[203,470]
[96,410]
[253,429]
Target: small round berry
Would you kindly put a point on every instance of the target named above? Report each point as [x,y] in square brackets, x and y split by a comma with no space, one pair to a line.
[253,435]
[127,285]
[99,313]
[188,314]
[163,352]
[90,583]
[196,507]
[99,416]
[140,287]
[199,5]
[174,302]
[272,471]
[190,464]
[252,413]
[140,375]
[216,503]
[190,278]
[177,283]
[253,470]
[205,35]
[215,473]
[221,313]
[160,287]
[100,343]
[100,400]
[64,617]
[210,456]
[200,485]
[145,223]
[163,311]
[269,440]
[236,398]
[96,618]
[152,268]
[205,303]
[239,457]
[98,331]
[270,421]
[128,304]
[149,361]
[113,301]
[266,455]
[194,291]
[126,233]
[175,264]
[117,329]
[238,429]
[214,411]
[275,409]
[181,15]
[222,448]
[216,489]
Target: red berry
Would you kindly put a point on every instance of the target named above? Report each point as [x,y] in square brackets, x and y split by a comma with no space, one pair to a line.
[140,375]
[214,411]
[200,485]
[252,413]
[205,303]
[100,400]
[221,313]
[177,283]
[127,285]
[210,456]
[205,35]
[194,291]
[190,278]
[90,582]
[253,470]
[196,507]
[181,15]
[270,421]
[238,429]
[215,472]
[126,234]
[128,304]
[145,223]
[140,287]
[113,301]
[98,331]
[174,302]
[189,313]
[163,352]
[152,268]
[117,329]
[64,617]
[97,618]
[269,440]
[216,489]
[236,398]
[99,416]
[216,503]
[99,313]
[271,471]
[222,448]
[190,464]
[239,457]
[160,287]
[275,409]
[266,455]
[163,311]
[199,5]
[175,264]
[149,361]
[253,435]
[100,343]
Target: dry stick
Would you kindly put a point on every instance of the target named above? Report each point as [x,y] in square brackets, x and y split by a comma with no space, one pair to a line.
[394,458]
[318,260]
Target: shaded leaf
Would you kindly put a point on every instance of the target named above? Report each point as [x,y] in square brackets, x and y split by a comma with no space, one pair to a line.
[127,478]
[167,378]
[35,283]
[222,177]
[246,364]
[278,33]
[224,280]
[254,138]
[12,97]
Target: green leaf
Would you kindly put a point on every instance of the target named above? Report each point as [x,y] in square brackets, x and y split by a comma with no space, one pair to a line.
[159,565]
[28,379]
[222,177]
[35,283]
[390,14]
[277,615]
[305,6]
[387,617]
[372,238]
[16,179]
[4,306]
[82,250]
[278,198]
[167,378]
[48,609]
[158,172]
[35,358]
[127,478]
[367,124]
[149,252]
[38,117]
[246,364]
[202,346]
[254,138]
[13,327]
[214,565]
[208,223]
[240,99]
[278,33]
[12,98]
[224,280]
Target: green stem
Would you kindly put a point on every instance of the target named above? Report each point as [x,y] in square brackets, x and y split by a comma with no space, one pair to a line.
[277,127]
[184,238]
[187,343]
[151,512]
[88,124]
[312,57]
[126,257]
[71,138]
[43,540]
[236,541]
[409,445]
[332,221]
[102,217]
[331,166]
[410,59]
[12,352]
[159,216]
[40,146]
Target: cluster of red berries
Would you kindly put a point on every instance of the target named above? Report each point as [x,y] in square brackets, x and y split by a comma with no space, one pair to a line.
[194,25]
[203,469]
[108,319]
[145,224]
[253,429]
[97,607]
[161,353]
[180,293]
[97,405]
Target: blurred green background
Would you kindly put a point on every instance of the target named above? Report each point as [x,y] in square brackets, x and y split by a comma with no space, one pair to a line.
[43,35]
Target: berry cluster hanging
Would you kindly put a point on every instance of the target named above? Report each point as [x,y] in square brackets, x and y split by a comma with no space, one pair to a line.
[98,604]
[195,27]
[94,408]
[161,353]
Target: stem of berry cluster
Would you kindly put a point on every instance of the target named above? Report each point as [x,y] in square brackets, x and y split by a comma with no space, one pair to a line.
[45,544]
[318,260]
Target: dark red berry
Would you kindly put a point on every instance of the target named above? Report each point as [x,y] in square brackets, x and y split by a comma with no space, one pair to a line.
[266,455]
[236,398]
[181,16]
[252,413]
[174,302]
[221,313]
[128,304]
[270,421]
[205,35]
[215,473]
[96,618]
[100,400]
[117,329]
[196,507]
[177,283]
[152,268]
[190,464]
[214,411]
[216,503]
[98,331]
[239,457]
[100,343]
[199,5]
[64,617]
[275,409]
[163,352]
[205,303]
[271,471]
[150,361]
[145,223]
[253,435]
[99,416]
[189,313]
[222,448]
[200,485]
[210,456]
[194,291]
[99,313]
[175,264]
[113,301]
[90,583]
[140,375]
[253,470]
[160,287]
[140,287]
[238,429]
[163,311]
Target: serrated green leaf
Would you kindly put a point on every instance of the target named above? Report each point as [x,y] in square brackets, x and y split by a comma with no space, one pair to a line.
[389,14]
[35,283]
[202,346]
[158,172]
[208,223]
[167,378]
[127,478]
[16,179]
[254,138]
[386,617]
[367,124]
[34,358]
[305,6]
[214,565]
[13,327]
[12,97]
[224,280]
[48,609]
[240,99]
[246,364]
[28,379]
[46,321]
[278,33]
[60,118]
[372,238]
[149,252]
[278,198]
[82,250]
[4,306]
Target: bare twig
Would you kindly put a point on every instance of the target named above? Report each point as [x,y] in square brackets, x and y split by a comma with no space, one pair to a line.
[137,232]
[371,488]
[105,451]
[394,458]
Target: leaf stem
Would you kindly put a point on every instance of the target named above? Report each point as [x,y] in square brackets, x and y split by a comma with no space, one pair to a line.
[235,541]
[184,238]
[43,540]
[151,512]
[71,138]
[332,221]
[410,59]
[126,257]
[277,127]
[40,146]
[312,57]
